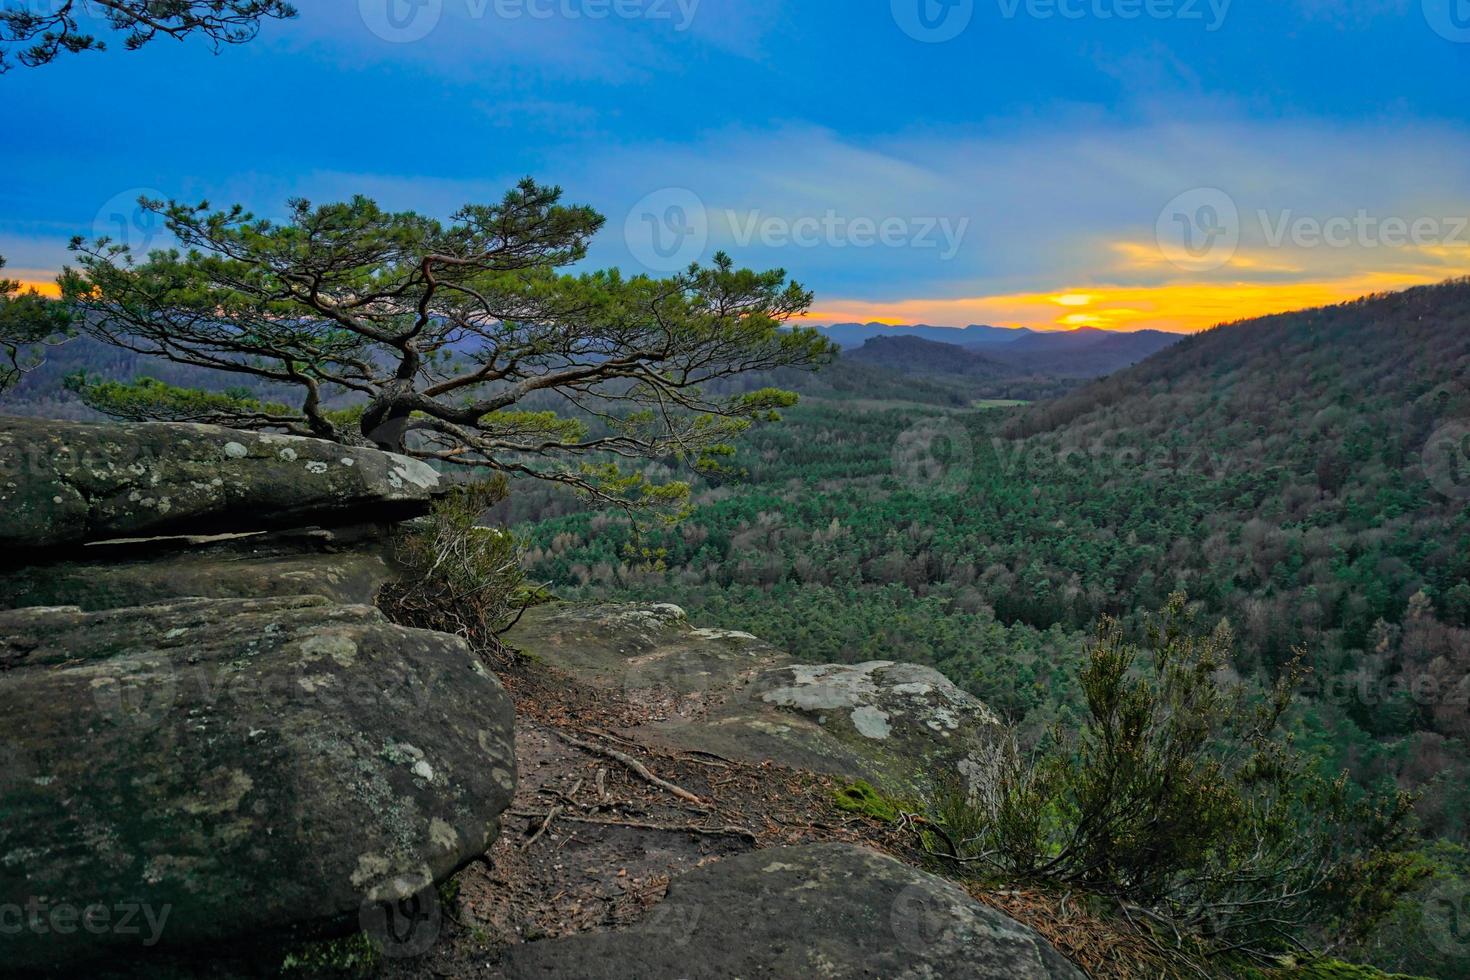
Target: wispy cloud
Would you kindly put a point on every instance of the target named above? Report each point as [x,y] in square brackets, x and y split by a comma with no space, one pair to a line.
[1320,208]
[566,40]
[989,226]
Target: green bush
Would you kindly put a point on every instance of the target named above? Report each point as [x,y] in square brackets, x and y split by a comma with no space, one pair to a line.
[459,576]
[1182,800]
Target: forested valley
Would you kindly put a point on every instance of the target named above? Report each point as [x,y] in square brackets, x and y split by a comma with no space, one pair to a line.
[1290,475]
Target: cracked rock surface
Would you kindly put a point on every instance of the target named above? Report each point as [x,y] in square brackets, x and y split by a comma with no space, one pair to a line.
[64,483]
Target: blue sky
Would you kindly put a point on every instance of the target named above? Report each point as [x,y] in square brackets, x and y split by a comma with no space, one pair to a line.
[1054,163]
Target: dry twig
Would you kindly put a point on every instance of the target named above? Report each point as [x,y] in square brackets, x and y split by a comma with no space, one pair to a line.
[642,771]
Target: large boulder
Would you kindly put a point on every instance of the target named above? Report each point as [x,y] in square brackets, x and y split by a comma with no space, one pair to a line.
[816,910]
[902,727]
[69,482]
[226,771]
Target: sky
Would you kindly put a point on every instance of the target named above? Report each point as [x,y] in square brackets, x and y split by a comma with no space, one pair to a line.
[1124,164]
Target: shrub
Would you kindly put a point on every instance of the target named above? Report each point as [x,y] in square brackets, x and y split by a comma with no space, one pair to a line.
[1182,800]
[458,576]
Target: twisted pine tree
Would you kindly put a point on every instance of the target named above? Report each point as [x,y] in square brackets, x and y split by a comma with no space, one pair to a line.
[460,343]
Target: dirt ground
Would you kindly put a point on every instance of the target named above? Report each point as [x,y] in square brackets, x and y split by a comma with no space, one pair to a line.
[602,821]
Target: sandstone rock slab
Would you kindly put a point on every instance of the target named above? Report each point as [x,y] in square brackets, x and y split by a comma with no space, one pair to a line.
[240,768]
[348,568]
[815,910]
[64,483]
[901,727]
[640,647]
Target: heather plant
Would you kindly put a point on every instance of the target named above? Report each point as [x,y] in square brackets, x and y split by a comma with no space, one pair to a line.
[1183,800]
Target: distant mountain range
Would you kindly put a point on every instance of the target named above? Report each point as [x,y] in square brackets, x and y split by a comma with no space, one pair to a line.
[1361,382]
[979,351]
[975,335]
[1084,353]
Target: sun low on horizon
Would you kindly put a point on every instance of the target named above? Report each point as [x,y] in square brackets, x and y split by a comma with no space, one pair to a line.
[1182,309]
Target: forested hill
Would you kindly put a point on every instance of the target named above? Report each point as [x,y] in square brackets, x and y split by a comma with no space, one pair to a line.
[915,355]
[1325,451]
[1399,358]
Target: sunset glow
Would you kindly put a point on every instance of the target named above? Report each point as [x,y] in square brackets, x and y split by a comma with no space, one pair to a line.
[41,286]
[1175,307]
